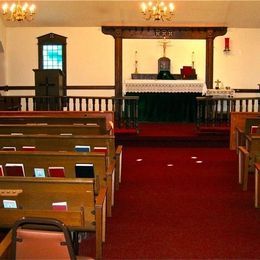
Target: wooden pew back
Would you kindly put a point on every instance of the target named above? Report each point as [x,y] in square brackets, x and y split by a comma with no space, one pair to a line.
[36,195]
[101,121]
[104,119]
[237,120]
[51,129]
[45,159]
[59,142]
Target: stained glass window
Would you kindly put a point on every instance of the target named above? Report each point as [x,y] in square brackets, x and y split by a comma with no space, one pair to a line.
[52,56]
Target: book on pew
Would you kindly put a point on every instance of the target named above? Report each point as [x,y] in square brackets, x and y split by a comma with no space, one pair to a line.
[56,171]
[255,129]
[92,124]
[84,170]
[9,148]
[39,172]
[1,170]
[82,148]
[16,133]
[100,149]
[9,204]
[14,169]
[65,134]
[28,148]
[61,206]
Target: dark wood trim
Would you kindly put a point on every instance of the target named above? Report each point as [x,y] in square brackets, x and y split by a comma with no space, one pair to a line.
[118,66]
[135,32]
[251,90]
[130,32]
[82,87]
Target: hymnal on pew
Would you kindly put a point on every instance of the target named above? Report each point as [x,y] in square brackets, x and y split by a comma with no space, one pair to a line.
[84,170]
[9,148]
[14,169]
[56,171]
[59,205]
[100,149]
[82,148]
[1,170]
[255,129]
[39,172]
[28,148]
[9,204]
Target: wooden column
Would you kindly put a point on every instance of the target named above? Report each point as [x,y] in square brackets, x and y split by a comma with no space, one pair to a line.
[118,66]
[209,59]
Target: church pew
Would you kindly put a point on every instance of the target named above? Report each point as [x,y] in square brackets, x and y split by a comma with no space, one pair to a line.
[44,159]
[67,143]
[51,129]
[257,183]
[100,121]
[34,198]
[237,120]
[241,133]
[247,157]
[104,119]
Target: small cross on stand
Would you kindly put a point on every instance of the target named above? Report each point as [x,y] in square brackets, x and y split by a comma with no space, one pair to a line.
[217,84]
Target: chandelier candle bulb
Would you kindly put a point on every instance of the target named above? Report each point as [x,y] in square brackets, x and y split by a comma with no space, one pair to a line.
[158,11]
[18,12]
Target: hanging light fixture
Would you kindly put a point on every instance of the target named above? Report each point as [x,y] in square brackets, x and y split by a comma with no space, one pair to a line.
[18,12]
[158,11]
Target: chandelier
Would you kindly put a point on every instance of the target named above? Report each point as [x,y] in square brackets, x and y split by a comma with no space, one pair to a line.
[18,12]
[158,11]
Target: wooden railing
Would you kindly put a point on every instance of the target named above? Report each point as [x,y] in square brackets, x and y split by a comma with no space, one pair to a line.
[215,111]
[125,108]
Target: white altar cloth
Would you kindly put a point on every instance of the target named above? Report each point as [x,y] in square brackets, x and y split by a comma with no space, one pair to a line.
[164,86]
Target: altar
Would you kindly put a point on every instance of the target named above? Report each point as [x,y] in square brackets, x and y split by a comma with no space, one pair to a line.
[166,100]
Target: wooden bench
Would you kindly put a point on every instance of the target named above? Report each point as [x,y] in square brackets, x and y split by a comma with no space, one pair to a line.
[247,157]
[257,183]
[104,119]
[34,198]
[241,133]
[44,159]
[237,120]
[44,142]
[51,129]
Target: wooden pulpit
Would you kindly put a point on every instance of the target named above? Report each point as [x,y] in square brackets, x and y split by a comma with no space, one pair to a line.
[49,87]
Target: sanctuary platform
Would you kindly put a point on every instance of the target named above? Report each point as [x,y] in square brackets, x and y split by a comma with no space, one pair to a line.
[174,134]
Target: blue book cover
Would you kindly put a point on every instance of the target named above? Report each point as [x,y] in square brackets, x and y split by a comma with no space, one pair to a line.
[82,148]
[39,172]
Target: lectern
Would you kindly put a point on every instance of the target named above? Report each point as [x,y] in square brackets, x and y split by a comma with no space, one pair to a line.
[49,87]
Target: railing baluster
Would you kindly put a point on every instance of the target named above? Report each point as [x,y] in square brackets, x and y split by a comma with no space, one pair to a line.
[80,104]
[99,104]
[93,104]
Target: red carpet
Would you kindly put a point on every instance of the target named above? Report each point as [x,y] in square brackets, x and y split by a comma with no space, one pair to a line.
[170,206]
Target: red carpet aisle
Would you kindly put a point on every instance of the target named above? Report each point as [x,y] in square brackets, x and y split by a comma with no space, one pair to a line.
[171,205]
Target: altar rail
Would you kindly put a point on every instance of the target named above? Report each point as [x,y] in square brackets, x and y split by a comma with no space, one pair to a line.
[215,111]
[125,108]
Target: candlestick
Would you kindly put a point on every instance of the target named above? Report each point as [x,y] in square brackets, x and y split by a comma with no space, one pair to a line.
[192,60]
[136,63]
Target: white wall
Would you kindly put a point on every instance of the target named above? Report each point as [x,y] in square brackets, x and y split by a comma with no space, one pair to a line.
[149,51]
[2,54]
[240,68]
[90,57]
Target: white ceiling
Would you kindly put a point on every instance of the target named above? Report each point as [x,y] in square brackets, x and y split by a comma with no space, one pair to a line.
[236,14]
